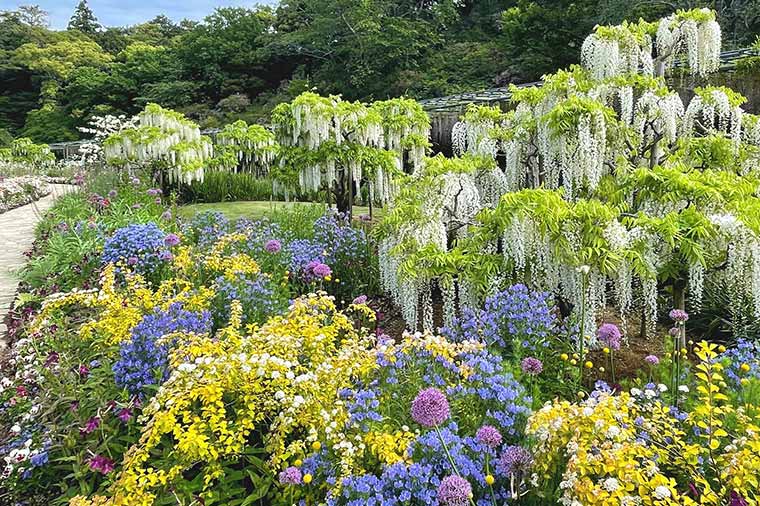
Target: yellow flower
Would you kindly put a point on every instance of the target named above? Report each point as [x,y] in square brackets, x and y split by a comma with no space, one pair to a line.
[490,479]
[606,351]
[745,367]
[589,364]
[328,277]
[316,445]
[564,357]
[601,369]
[721,348]
[573,362]
[298,463]
[307,478]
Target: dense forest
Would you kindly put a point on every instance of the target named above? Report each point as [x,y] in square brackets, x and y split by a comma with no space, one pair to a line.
[240,62]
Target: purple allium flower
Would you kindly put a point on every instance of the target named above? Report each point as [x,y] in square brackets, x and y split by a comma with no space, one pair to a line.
[153,192]
[166,256]
[679,315]
[609,334]
[132,261]
[531,366]
[137,206]
[652,359]
[361,299]
[171,240]
[167,215]
[321,270]
[135,181]
[101,464]
[488,435]
[515,460]
[273,246]
[125,415]
[112,193]
[430,407]
[454,491]
[91,425]
[365,217]
[290,476]
[674,331]
[83,370]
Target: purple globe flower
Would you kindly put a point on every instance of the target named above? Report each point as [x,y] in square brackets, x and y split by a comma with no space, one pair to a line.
[166,256]
[679,315]
[430,407]
[290,476]
[515,460]
[167,215]
[153,192]
[609,334]
[674,331]
[488,435]
[531,366]
[361,299]
[651,360]
[171,240]
[273,246]
[454,491]
[322,270]
[112,194]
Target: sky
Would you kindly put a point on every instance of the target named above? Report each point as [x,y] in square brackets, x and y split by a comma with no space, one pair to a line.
[130,12]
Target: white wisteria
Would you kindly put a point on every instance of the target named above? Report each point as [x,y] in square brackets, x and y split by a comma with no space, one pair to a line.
[164,137]
[334,144]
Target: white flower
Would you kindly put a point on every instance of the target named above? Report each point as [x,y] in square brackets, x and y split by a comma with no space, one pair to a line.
[613,431]
[650,393]
[635,392]
[16,429]
[662,388]
[683,388]
[279,395]
[661,493]
[611,484]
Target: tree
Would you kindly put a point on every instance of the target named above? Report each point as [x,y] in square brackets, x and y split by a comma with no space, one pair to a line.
[34,16]
[84,19]
[607,179]
[334,145]
[164,140]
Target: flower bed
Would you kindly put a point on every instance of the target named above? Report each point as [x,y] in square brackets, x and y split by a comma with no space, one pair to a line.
[161,362]
[18,191]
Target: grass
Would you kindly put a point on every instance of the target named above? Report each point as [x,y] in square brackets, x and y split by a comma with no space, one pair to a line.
[255,209]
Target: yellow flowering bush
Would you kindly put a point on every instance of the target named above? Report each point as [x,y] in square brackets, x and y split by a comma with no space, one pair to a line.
[224,393]
[634,449]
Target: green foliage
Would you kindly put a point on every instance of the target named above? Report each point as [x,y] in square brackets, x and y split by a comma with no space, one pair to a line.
[227,187]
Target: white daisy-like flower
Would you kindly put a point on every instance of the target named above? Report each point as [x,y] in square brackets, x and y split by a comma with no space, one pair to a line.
[611,484]
[661,493]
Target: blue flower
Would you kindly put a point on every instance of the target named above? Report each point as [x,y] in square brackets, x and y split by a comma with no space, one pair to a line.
[144,358]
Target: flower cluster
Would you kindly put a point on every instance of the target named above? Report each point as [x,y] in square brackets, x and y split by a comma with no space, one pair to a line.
[144,358]
[516,319]
[142,248]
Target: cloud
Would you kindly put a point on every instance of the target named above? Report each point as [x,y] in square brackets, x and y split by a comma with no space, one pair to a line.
[130,12]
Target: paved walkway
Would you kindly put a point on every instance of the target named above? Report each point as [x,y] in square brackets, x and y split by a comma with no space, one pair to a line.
[16,237]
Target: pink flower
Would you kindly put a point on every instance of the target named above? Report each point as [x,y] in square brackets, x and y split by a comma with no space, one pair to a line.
[101,464]
[91,425]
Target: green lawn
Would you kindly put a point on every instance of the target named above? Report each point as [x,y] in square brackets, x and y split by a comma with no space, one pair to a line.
[255,209]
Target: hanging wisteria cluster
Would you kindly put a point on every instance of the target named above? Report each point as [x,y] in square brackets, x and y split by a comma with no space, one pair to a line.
[328,141]
[694,34]
[165,137]
[249,148]
[23,156]
[610,187]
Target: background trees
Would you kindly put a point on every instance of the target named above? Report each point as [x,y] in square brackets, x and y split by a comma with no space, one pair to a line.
[360,50]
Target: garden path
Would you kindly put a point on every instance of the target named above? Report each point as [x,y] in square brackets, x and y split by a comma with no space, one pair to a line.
[16,237]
